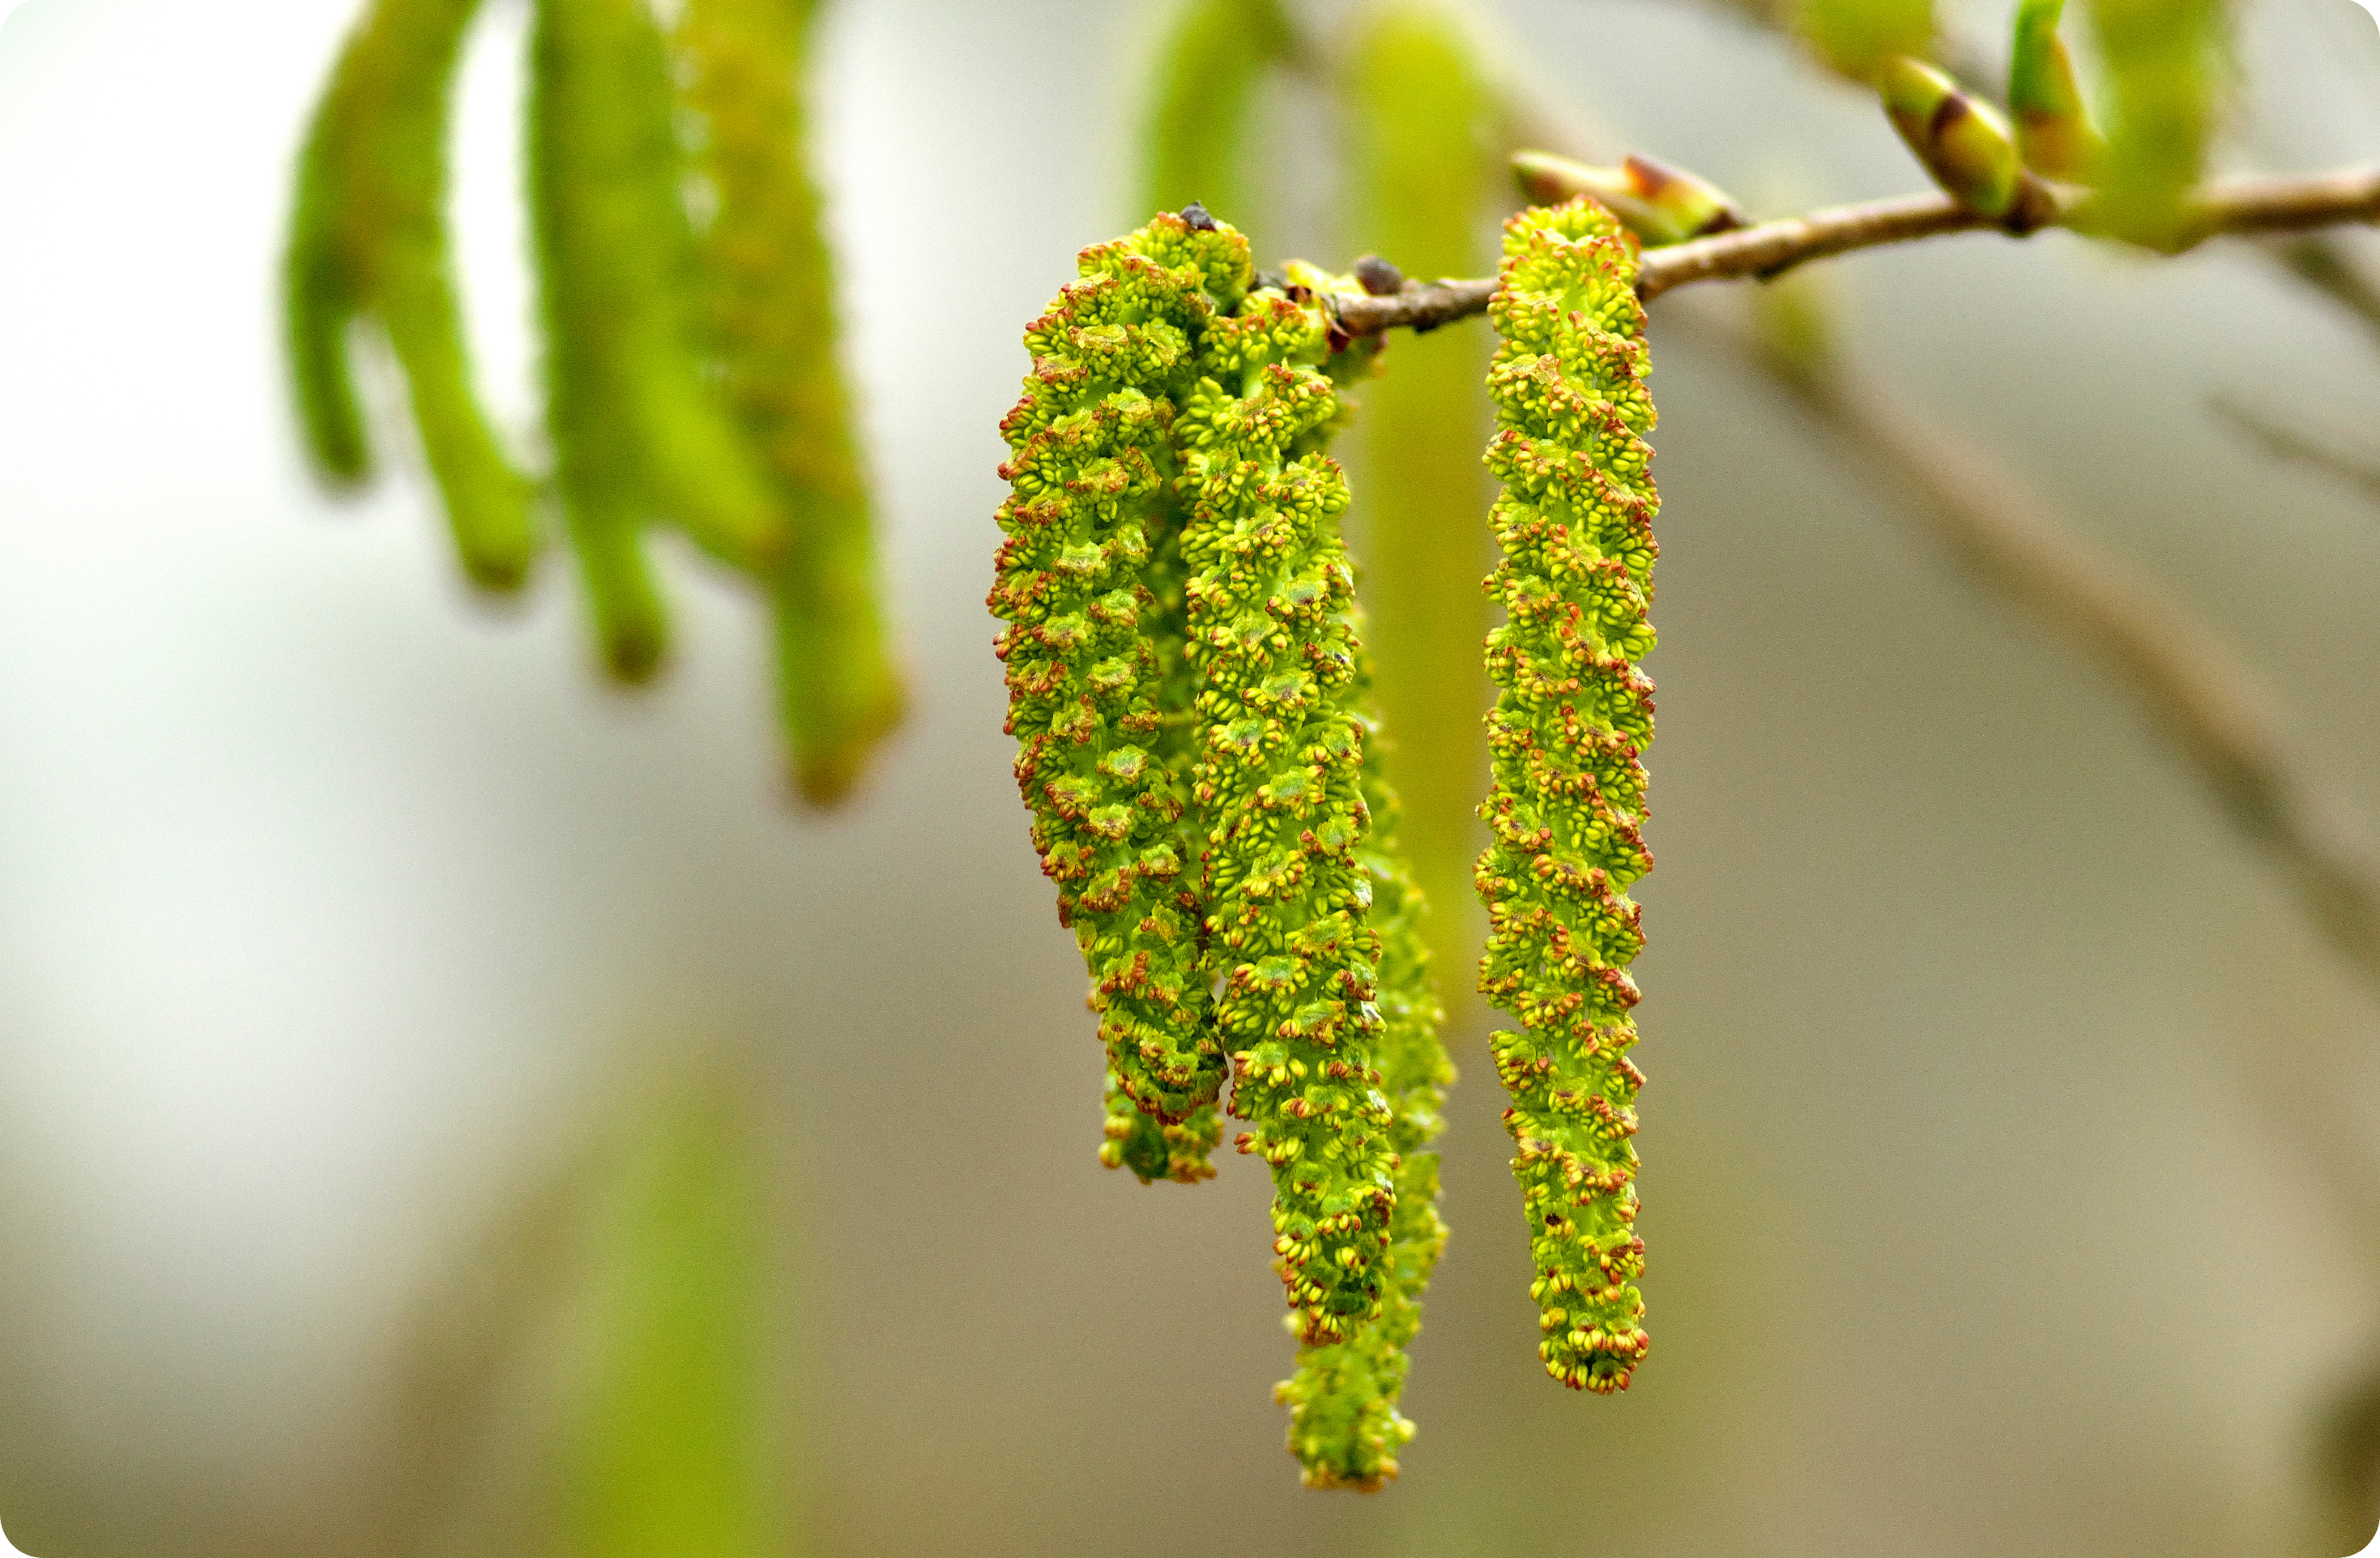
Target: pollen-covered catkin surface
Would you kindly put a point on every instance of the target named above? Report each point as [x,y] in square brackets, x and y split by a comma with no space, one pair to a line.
[1270,600]
[1344,1423]
[1089,581]
[1566,801]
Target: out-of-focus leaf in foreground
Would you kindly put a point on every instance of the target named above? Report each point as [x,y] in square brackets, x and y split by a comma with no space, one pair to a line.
[2164,61]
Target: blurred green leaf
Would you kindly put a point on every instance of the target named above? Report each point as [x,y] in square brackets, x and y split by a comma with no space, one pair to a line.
[1422,175]
[597,1373]
[1855,37]
[2165,64]
[1195,142]
[671,1452]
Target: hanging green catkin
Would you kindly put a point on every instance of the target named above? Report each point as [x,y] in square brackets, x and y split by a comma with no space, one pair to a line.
[771,320]
[638,434]
[1345,1427]
[1089,582]
[1417,108]
[1278,780]
[1202,100]
[369,238]
[1193,151]
[1567,800]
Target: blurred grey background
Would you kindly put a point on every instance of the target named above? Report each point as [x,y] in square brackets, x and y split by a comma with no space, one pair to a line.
[2013,1150]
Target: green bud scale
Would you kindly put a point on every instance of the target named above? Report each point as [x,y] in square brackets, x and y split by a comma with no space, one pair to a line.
[2053,124]
[1964,144]
[1566,802]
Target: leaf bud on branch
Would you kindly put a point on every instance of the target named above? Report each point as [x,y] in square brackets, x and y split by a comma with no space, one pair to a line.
[1965,144]
[1660,204]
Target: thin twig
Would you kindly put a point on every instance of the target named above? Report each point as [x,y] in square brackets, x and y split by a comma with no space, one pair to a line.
[2322,260]
[2238,206]
[2286,442]
[2178,672]
[2183,677]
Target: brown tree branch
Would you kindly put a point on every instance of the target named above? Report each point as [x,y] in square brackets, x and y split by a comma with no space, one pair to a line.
[2178,672]
[2285,442]
[2247,206]
[2180,675]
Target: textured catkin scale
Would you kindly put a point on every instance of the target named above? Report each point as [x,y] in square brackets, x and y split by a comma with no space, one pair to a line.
[369,238]
[1567,798]
[770,313]
[1088,580]
[1270,598]
[1345,1427]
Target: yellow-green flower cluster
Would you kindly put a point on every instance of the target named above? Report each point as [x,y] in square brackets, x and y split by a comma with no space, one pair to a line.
[1186,679]
[1278,778]
[1567,798]
[1089,580]
[1343,1424]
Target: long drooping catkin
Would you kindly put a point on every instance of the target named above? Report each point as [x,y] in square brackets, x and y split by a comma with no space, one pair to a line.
[1089,582]
[638,437]
[1567,798]
[1345,1425]
[1270,600]
[770,295]
[369,238]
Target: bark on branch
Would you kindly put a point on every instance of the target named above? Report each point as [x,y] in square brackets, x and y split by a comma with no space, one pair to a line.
[2246,206]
